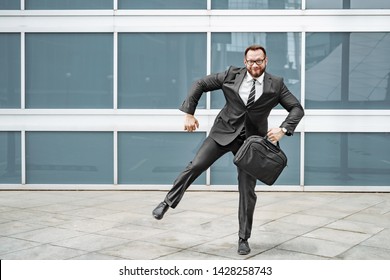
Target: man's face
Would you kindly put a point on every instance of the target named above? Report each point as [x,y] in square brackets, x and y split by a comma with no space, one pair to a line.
[255,62]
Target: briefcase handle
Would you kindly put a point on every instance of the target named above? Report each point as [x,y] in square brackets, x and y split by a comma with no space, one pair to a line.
[277,143]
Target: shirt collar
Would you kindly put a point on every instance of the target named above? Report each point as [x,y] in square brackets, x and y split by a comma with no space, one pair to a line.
[249,78]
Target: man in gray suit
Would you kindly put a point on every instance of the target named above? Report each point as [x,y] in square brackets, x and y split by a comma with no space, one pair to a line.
[250,95]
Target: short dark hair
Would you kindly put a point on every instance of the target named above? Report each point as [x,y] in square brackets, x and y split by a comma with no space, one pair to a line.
[254,48]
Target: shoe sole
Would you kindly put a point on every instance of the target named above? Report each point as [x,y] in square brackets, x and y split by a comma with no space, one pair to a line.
[243,252]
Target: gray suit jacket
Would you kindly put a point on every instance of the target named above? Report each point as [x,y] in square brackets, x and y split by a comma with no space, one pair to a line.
[234,115]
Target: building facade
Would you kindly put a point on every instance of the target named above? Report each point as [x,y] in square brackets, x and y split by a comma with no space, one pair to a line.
[89,90]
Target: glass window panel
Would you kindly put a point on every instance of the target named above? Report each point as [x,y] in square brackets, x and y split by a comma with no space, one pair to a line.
[9,70]
[69,70]
[347,159]
[10,151]
[347,71]
[224,172]
[156,158]
[162,4]
[68,4]
[155,70]
[347,4]
[10,5]
[255,4]
[69,157]
[283,51]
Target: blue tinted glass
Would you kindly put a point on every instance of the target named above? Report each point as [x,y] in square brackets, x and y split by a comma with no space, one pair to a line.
[347,159]
[347,71]
[165,4]
[155,70]
[10,5]
[68,4]
[9,70]
[10,166]
[283,51]
[255,4]
[349,4]
[69,70]
[156,158]
[69,157]
[224,172]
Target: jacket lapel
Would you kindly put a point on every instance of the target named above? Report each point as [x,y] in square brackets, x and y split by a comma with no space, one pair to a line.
[238,82]
[267,83]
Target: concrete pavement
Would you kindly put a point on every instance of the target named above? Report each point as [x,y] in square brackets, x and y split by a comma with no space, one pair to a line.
[109,225]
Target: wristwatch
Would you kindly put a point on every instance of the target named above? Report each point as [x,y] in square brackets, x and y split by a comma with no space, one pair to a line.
[284,130]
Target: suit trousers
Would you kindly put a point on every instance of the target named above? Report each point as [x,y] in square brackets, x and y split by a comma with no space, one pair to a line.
[207,154]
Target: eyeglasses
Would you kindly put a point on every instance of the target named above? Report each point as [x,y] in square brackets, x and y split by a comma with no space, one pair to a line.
[258,62]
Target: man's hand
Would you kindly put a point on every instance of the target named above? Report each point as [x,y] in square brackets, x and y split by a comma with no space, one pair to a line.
[275,134]
[190,123]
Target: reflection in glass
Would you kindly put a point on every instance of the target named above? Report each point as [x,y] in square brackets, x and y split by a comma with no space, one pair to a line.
[347,159]
[69,158]
[10,157]
[155,70]
[347,70]
[255,4]
[69,70]
[347,4]
[283,51]
[165,4]
[9,70]
[9,5]
[224,172]
[156,157]
[68,4]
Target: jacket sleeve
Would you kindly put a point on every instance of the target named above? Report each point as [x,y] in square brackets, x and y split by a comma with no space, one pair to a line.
[293,106]
[208,83]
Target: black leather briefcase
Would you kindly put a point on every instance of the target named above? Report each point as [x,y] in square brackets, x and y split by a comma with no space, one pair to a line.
[261,159]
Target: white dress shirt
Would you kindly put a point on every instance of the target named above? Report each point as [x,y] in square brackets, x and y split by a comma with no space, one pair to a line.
[246,86]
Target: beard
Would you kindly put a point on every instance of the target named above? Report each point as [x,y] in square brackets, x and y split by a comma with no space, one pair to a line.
[256,72]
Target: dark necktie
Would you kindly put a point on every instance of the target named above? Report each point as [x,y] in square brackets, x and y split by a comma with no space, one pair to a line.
[252,95]
[251,100]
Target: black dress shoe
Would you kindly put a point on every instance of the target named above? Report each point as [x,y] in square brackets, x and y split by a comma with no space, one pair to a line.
[243,247]
[160,210]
